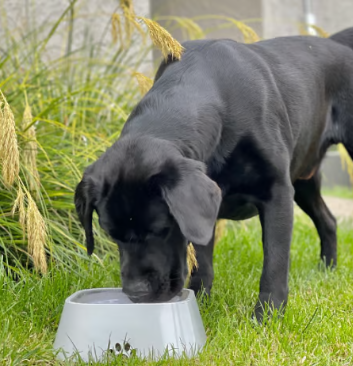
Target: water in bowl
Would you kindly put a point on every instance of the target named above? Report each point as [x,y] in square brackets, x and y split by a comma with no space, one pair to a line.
[110,296]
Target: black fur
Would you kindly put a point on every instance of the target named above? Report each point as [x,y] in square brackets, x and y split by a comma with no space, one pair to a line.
[230,131]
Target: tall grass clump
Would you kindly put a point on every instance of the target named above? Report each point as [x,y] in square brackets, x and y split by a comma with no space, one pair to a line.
[57,116]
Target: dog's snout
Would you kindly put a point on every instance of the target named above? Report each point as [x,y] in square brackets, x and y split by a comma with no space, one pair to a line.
[137,290]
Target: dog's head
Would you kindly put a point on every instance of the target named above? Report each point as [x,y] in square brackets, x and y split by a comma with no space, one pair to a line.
[152,202]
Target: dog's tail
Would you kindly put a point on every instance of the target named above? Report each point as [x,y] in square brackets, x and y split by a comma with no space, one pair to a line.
[344,37]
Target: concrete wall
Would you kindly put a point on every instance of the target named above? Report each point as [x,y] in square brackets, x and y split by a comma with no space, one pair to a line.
[92,22]
[239,9]
[332,173]
[281,17]
[334,15]
[274,17]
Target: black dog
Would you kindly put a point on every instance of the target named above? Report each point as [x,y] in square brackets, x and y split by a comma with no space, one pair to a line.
[230,131]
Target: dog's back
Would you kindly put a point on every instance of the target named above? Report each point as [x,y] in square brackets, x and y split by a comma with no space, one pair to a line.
[268,89]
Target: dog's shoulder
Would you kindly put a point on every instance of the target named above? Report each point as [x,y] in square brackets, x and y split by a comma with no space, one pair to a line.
[194,52]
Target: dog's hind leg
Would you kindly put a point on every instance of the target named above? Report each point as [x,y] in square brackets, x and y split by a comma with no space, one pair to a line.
[309,199]
[202,277]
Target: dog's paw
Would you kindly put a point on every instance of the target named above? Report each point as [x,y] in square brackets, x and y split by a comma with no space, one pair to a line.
[202,293]
[327,264]
[123,350]
[267,307]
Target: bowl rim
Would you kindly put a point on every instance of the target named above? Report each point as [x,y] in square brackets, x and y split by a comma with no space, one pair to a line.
[190,296]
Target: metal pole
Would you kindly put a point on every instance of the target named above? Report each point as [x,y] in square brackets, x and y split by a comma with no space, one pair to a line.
[309,17]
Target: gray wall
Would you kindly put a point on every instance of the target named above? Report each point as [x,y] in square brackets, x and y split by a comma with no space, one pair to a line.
[92,22]
[332,173]
[238,9]
[274,17]
[281,17]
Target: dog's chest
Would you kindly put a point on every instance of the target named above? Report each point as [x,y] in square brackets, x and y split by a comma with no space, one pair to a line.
[245,178]
[237,207]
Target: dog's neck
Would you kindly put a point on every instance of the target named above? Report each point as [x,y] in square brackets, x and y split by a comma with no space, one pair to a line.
[193,138]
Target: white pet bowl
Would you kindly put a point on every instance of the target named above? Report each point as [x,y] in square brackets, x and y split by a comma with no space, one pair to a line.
[103,320]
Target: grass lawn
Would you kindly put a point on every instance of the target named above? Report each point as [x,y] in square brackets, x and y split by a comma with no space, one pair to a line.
[339,192]
[316,330]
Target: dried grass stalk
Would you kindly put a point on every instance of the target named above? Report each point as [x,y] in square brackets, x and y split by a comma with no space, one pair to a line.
[127,4]
[144,82]
[220,228]
[319,31]
[193,30]
[117,32]
[9,153]
[304,32]
[191,259]
[129,16]
[37,235]
[347,163]
[30,149]
[163,40]
[19,205]
[248,33]
[129,21]
[189,26]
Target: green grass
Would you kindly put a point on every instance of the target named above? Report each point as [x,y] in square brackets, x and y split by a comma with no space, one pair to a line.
[338,191]
[316,330]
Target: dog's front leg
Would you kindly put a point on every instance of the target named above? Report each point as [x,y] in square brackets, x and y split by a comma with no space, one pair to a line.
[276,216]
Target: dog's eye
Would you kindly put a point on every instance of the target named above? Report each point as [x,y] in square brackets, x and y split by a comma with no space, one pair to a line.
[158,233]
[162,233]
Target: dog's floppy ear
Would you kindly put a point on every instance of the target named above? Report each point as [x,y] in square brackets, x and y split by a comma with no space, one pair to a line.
[84,207]
[194,201]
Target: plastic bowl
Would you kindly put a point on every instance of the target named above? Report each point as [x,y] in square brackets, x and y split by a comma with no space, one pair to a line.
[99,321]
